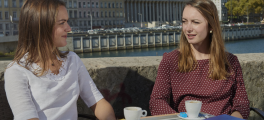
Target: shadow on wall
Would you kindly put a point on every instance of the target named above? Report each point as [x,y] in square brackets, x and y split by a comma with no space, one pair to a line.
[123,87]
[5,110]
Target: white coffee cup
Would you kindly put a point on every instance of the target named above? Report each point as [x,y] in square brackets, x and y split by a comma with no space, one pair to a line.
[134,113]
[193,108]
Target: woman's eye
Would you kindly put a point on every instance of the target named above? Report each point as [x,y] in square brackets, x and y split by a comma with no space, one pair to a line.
[62,23]
[196,22]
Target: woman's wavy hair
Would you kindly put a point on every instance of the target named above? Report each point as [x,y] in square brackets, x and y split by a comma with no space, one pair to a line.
[36,23]
[219,64]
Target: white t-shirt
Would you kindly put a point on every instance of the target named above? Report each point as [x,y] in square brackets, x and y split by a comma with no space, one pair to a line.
[50,97]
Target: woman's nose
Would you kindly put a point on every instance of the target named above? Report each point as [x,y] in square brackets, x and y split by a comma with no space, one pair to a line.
[189,27]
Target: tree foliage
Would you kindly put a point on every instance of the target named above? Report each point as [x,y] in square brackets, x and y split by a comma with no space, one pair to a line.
[244,7]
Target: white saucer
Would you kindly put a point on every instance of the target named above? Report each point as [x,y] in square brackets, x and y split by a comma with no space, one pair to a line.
[199,118]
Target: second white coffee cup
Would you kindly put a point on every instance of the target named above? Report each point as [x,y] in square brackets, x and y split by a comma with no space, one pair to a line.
[193,108]
[134,113]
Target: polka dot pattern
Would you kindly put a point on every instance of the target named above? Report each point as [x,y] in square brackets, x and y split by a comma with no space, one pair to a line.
[217,96]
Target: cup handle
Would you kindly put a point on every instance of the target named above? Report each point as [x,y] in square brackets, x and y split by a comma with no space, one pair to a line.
[144,115]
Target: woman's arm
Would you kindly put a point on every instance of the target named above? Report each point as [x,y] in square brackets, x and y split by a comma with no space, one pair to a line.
[158,103]
[237,114]
[34,119]
[92,96]
[240,101]
[103,110]
[18,93]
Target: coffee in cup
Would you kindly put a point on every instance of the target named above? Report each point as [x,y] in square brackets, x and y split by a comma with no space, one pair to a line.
[193,108]
[134,113]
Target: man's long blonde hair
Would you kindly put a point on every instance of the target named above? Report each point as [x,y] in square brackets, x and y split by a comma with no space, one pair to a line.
[219,64]
[36,23]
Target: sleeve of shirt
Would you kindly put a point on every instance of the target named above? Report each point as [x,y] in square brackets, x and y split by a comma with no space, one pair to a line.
[158,104]
[88,90]
[240,100]
[18,94]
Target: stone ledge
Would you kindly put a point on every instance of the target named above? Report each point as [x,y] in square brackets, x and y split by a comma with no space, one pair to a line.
[128,81]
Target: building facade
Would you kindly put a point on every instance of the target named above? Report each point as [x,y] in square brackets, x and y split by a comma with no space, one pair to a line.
[9,8]
[88,14]
[153,10]
[221,9]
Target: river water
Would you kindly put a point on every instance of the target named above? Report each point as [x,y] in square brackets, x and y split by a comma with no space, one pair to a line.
[235,47]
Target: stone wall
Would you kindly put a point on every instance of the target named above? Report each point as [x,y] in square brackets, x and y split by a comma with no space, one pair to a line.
[128,81]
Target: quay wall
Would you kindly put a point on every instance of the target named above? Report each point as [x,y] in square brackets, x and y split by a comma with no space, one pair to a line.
[128,81]
[84,42]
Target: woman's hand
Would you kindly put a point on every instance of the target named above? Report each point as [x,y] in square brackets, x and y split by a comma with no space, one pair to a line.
[103,110]
[237,114]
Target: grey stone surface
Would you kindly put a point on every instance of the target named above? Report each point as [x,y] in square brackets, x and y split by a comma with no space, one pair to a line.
[128,81]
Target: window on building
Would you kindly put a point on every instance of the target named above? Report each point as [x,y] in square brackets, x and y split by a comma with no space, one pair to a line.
[113,5]
[89,14]
[80,4]
[117,14]
[80,14]
[7,26]
[0,3]
[75,14]
[14,15]
[121,5]
[1,26]
[105,5]
[80,22]
[15,26]
[109,14]
[6,15]
[84,14]
[92,4]
[0,15]
[121,14]
[109,5]
[116,5]
[85,24]
[14,3]
[117,22]
[88,4]
[89,23]
[102,22]
[102,14]
[70,12]
[93,14]
[97,6]
[75,4]
[110,22]
[70,4]
[97,14]
[102,5]
[20,3]
[105,14]
[106,23]
[6,3]
[113,14]
[84,4]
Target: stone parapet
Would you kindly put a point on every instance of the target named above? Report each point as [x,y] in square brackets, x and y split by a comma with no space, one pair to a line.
[128,81]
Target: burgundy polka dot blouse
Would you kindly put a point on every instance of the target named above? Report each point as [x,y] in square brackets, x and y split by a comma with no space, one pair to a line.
[217,96]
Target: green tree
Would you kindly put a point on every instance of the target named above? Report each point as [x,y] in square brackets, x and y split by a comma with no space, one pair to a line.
[245,7]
